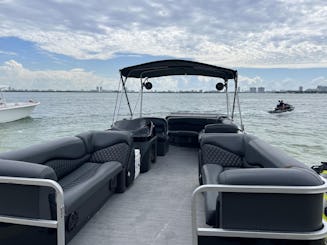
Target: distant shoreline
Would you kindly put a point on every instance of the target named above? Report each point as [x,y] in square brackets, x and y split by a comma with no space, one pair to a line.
[161,92]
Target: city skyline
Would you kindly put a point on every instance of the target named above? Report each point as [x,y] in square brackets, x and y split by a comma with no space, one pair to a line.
[100,89]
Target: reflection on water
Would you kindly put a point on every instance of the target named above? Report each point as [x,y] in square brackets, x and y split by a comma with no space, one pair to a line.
[302,133]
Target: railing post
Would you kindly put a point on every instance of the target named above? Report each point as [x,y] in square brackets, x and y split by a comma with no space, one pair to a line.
[59,224]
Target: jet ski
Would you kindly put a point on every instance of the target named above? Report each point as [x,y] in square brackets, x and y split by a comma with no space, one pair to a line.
[282,107]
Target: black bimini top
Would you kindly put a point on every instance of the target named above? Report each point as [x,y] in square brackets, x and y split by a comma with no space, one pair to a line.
[177,67]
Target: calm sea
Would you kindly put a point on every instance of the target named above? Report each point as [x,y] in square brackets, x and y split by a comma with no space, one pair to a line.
[302,133]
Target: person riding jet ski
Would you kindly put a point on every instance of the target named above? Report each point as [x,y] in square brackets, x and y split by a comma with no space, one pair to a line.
[281,105]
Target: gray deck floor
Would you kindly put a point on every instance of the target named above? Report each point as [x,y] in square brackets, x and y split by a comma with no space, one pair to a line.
[156,209]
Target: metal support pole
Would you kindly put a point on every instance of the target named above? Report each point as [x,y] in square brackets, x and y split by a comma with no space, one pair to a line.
[117,96]
[227,99]
[120,100]
[235,93]
[125,90]
[141,102]
[239,111]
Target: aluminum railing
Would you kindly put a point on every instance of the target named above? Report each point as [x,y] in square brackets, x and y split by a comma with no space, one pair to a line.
[58,224]
[219,232]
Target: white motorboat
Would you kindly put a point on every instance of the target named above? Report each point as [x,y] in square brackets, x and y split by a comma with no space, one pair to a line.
[14,111]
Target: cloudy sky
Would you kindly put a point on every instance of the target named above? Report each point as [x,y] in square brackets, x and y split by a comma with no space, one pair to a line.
[73,44]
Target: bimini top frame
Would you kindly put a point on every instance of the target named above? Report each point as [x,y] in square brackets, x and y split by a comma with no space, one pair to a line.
[176,67]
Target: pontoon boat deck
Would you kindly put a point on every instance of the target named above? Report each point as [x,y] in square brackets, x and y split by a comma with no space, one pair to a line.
[202,180]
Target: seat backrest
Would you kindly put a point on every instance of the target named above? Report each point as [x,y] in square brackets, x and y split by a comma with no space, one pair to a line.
[221,128]
[228,148]
[105,146]
[64,148]
[189,123]
[63,155]
[259,152]
[222,148]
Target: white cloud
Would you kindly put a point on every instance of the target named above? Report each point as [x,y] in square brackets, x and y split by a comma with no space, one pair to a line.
[251,81]
[7,53]
[291,83]
[166,83]
[318,81]
[17,76]
[231,33]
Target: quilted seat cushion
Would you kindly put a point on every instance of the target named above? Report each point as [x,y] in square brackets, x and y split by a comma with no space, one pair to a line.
[212,154]
[63,167]
[85,181]
[118,152]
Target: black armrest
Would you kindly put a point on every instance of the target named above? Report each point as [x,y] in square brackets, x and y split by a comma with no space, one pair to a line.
[271,211]
[12,168]
[221,128]
[271,176]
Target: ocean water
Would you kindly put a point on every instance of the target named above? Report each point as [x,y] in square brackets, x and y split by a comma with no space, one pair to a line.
[301,133]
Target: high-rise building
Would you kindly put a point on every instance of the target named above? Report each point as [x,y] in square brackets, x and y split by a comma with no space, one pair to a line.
[261,90]
[322,88]
[253,90]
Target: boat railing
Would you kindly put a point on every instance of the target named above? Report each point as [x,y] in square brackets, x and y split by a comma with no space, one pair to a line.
[58,224]
[220,232]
